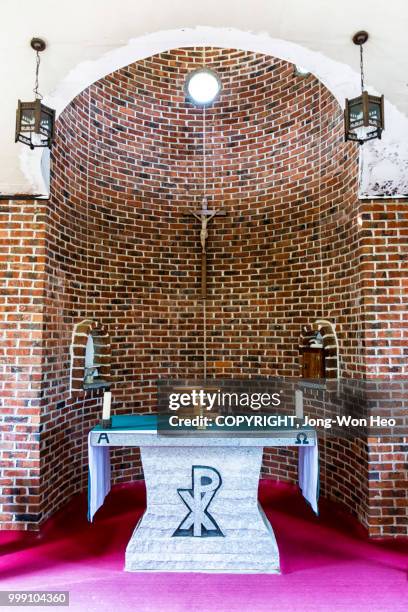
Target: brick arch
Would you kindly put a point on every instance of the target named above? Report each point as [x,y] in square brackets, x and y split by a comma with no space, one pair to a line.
[101,340]
[331,347]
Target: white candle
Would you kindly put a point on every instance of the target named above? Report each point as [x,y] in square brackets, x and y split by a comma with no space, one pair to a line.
[299,403]
[107,397]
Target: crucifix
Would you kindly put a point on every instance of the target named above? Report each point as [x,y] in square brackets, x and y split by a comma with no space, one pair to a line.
[204,216]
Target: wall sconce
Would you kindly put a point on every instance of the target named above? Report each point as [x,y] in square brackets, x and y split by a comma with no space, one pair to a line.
[34,120]
[364,115]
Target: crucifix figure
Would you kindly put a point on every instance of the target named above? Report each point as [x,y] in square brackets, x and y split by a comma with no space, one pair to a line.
[204,216]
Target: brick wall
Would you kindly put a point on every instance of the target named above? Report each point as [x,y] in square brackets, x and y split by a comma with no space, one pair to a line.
[22,261]
[388,486]
[384,281]
[385,291]
[127,161]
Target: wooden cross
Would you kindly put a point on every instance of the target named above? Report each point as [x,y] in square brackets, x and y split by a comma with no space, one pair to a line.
[204,216]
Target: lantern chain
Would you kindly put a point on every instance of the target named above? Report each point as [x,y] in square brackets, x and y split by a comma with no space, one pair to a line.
[361,68]
[38,96]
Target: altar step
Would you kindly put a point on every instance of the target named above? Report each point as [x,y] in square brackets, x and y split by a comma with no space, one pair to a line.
[250,550]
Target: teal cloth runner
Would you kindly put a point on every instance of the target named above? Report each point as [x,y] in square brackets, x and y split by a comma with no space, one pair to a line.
[133,421]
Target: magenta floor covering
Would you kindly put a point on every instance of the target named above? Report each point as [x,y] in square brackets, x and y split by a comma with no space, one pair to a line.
[327,563]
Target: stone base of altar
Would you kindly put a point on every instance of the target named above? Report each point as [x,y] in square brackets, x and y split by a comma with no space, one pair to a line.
[202,513]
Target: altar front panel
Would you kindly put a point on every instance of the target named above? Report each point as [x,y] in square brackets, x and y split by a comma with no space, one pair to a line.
[244,541]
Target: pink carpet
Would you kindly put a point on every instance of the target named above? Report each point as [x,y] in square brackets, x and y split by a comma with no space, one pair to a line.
[327,563]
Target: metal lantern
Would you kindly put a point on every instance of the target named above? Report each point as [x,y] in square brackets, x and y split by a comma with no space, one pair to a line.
[34,120]
[364,115]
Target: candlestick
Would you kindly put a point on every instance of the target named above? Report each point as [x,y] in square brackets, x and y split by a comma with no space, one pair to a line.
[299,403]
[106,408]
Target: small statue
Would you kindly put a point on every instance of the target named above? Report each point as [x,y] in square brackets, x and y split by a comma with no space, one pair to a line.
[89,374]
[317,340]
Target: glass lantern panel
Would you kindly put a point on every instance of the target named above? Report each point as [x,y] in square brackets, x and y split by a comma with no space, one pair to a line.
[356,113]
[45,122]
[374,111]
[27,120]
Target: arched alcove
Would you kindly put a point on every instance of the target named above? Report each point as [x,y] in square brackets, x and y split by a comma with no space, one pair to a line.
[323,333]
[90,357]
[128,161]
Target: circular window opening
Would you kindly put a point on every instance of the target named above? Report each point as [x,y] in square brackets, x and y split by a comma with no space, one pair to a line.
[203,86]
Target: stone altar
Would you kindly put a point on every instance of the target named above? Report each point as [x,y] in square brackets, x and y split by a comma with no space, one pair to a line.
[202,511]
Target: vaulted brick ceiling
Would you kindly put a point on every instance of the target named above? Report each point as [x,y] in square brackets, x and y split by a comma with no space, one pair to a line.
[81,32]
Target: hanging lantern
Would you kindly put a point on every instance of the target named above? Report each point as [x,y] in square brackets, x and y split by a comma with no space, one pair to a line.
[364,115]
[34,120]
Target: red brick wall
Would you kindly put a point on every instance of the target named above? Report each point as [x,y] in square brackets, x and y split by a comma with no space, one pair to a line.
[127,161]
[388,486]
[22,261]
[385,291]
[384,280]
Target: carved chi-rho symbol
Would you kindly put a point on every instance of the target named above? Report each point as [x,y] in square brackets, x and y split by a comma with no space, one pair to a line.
[198,522]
